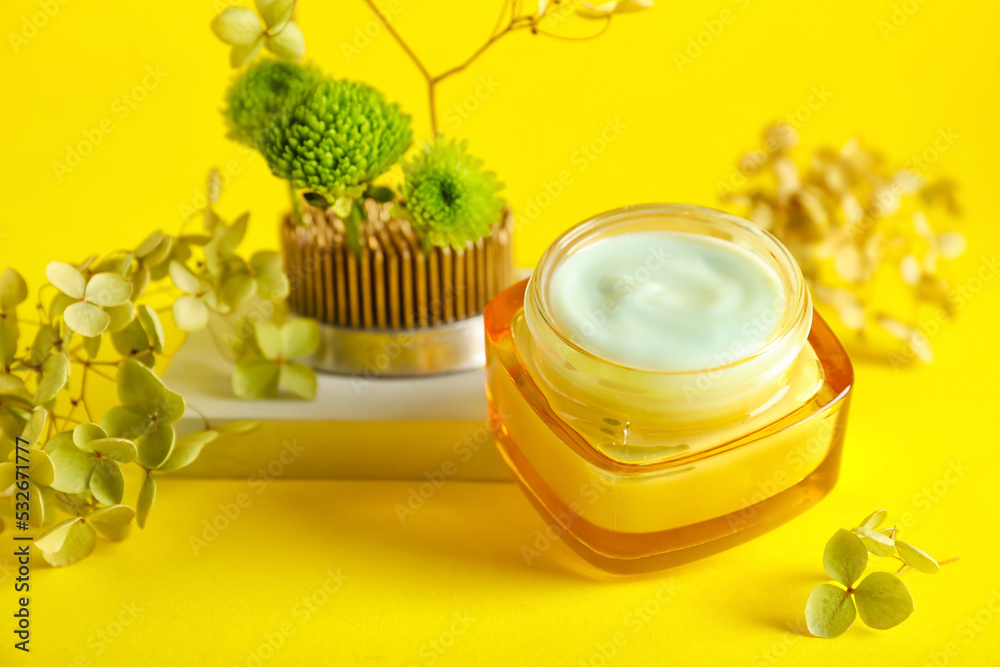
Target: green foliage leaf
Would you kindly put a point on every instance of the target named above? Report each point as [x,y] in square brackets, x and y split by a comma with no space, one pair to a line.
[121,422]
[238,288]
[9,334]
[40,469]
[883,600]
[108,289]
[830,611]
[224,245]
[8,474]
[152,327]
[182,277]
[71,466]
[874,520]
[131,341]
[916,558]
[190,313]
[120,316]
[147,494]
[316,199]
[35,425]
[299,337]
[381,194]
[86,432]
[41,347]
[92,345]
[153,440]
[139,279]
[845,557]
[66,278]
[876,542]
[37,509]
[115,449]
[58,305]
[86,319]
[107,482]
[268,339]
[187,449]
[256,378]
[155,248]
[299,379]
[13,289]
[140,390]
[155,445]
[67,543]
[236,427]
[55,375]
[272,283]
[112,522]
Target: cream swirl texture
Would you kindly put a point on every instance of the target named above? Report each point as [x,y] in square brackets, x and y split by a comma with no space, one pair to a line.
[666,301]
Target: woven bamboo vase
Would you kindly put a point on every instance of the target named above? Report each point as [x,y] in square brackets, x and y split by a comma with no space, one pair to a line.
[393,308]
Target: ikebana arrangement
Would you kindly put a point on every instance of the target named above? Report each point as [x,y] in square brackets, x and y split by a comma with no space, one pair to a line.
[862,232]
[881,599]
[377,239]
[99,321]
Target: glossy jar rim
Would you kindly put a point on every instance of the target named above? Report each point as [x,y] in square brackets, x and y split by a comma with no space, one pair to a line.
[676,401]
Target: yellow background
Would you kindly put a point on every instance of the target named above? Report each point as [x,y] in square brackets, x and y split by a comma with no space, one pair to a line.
[460,554]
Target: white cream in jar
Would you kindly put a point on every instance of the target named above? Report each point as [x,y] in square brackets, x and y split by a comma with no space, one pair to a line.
[676,321]
[666,301]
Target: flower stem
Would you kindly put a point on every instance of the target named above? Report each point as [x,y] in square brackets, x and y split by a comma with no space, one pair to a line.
[296,209]
[515,23]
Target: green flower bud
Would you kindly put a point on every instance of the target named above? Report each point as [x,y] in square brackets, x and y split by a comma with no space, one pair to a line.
[449,198]
[336,138]
[263,91]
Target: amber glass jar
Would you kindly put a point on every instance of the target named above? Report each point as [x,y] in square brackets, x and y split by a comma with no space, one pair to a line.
[639,469]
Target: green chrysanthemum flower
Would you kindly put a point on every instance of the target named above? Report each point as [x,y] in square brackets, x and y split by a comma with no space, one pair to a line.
[336,139]
[262,91]
[449,198]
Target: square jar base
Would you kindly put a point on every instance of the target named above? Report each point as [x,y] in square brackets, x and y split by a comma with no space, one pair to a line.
[615,552]
[627,517]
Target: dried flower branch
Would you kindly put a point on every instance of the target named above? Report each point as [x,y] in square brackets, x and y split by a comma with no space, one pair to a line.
[859,230]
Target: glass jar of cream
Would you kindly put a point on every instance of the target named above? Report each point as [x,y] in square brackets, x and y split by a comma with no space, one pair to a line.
[662,388]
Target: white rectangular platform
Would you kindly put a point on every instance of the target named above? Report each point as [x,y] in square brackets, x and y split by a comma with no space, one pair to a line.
[383,428]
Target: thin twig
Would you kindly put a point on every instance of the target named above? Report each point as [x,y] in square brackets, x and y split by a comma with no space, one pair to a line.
[399,39]
[202,415]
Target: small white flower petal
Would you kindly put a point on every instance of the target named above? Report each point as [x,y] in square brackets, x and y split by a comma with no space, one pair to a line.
[276,13]
[242,54]
[237,26]
[849,309]
[894,327]
[907,182]
[853,212]
[847,263]
[921,225]
[289,43]
[909,270]
[914,338]
[951,244]
[931,260]
[592,11]
[633,5]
